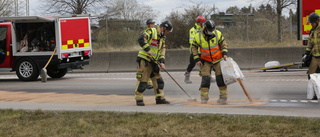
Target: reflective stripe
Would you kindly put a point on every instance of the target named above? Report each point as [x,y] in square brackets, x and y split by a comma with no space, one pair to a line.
[214,62]
[155,47]
[204,93]
[206,48]
[153,54]
[224,50]
[223,92]
[208,53]
[160,95]
[145,46]
[308,49]
[154,33]
[316,41]
[195,57]
[79,43]
[138,95]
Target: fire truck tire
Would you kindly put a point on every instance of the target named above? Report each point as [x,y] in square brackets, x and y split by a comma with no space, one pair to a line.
[56,73]
[27,70]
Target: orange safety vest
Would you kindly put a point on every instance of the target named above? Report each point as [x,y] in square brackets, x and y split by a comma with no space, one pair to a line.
[210,50]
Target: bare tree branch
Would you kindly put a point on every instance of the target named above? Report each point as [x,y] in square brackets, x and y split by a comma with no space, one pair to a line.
[6,9]
[280,5]
[128,10]
[63,7]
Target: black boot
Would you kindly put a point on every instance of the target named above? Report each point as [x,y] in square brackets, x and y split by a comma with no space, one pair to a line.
[162,101]
[140,103]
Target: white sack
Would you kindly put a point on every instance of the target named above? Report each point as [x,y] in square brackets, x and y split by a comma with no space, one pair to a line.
[230,71]
[272,64]
[310,90]
[313,86]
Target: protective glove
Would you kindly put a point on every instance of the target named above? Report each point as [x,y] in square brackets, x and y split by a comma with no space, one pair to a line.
[304,58]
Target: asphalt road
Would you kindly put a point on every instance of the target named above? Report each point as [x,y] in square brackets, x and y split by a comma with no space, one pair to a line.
[279,93]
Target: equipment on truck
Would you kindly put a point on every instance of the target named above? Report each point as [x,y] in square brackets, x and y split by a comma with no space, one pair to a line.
[28,43]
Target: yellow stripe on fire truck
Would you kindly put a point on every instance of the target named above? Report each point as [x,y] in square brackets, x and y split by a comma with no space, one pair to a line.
[79,44]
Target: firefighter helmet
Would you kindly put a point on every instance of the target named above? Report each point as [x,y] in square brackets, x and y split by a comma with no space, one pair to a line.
[167,24]
[201,19]
[209,25]
[313,17]
[150,21]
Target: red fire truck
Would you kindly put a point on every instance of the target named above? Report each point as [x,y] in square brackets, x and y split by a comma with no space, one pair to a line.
[26,44]
[305,8]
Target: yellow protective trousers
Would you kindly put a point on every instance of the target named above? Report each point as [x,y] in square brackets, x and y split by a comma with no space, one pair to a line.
[315,63]
[145,71]
[205,73]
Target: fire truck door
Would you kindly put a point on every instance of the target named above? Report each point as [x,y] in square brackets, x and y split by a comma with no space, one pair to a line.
[3,34]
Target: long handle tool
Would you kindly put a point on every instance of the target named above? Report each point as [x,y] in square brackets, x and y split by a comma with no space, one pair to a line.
[244,90]
[190,99]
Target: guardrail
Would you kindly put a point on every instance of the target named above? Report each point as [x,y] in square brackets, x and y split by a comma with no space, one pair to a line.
[177,60]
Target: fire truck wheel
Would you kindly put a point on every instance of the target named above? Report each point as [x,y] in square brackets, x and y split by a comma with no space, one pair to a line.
[56,73]
[27,70]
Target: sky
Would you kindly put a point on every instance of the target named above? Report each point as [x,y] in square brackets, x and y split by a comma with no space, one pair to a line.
[165,7]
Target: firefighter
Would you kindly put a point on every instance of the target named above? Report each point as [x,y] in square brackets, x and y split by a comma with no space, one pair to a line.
[200,20]
[150,24]
[151,59]
[313,46]
[213,49]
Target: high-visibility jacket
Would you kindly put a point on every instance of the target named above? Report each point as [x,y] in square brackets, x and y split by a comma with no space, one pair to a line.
[210,50]
[150,40]
[192,33]
[314,42]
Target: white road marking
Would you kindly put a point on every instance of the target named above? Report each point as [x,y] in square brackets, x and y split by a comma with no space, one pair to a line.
[294,101]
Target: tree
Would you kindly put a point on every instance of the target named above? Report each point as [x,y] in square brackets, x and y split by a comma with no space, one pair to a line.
[183,21]
[233,10]
[280,5]
[267,11]
[63,7]
[246,10]
[123,18]
[6,8]
[128,10]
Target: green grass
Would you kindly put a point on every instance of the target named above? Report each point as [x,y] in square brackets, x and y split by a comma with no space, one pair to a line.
[115,124]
